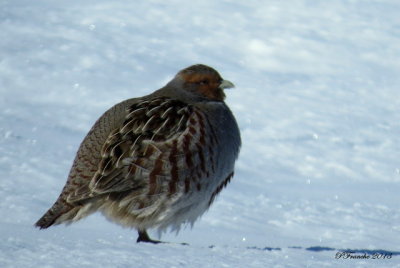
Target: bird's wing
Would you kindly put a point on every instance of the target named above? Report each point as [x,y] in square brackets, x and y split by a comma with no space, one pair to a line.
[156,145]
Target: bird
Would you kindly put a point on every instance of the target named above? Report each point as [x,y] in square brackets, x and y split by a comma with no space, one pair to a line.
[157,161]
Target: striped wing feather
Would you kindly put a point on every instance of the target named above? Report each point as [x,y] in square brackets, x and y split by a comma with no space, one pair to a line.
[136,150]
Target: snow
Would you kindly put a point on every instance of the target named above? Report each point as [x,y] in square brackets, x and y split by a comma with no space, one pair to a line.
[316,98]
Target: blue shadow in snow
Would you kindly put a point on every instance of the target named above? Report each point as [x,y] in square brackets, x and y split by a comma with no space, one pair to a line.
[319,249]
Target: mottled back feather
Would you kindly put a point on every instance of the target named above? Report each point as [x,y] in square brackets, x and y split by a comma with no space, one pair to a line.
[129,150]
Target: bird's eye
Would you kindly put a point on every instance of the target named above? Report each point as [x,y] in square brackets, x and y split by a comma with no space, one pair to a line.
[203,82]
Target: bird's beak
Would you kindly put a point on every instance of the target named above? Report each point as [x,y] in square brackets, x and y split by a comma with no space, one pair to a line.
[226,84]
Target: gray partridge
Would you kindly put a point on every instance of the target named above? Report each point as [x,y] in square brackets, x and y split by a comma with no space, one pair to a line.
[157,161]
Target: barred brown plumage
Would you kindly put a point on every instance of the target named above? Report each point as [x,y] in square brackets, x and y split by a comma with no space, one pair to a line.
[157,161]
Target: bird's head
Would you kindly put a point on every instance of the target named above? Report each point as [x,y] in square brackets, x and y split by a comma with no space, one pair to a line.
[204,81]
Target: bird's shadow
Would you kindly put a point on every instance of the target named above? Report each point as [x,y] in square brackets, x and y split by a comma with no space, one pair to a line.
[341,253]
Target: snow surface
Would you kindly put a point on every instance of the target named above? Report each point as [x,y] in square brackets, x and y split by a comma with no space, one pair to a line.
[317,99]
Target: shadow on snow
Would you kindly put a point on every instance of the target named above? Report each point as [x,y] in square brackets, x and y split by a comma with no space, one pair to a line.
[345,251]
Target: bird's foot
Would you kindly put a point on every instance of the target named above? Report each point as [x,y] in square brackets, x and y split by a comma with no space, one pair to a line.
[144,237]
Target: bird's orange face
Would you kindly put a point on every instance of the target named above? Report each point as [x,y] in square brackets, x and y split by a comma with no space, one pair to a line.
[206,81]
[207,84]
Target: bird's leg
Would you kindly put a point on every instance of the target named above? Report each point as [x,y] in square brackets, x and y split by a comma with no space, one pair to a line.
[144,237]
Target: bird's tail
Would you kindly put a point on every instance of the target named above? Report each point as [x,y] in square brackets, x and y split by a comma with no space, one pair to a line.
[53,215]
[64,212]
